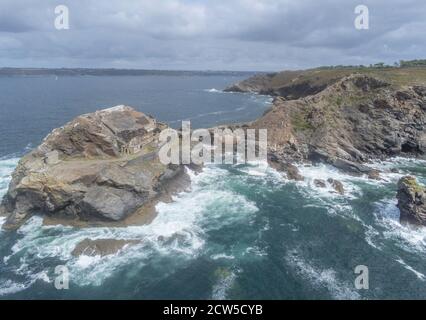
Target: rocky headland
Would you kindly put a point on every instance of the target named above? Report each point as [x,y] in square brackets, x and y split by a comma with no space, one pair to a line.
[346,118]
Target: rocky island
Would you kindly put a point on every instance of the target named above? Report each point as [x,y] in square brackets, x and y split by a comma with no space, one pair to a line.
[98,167]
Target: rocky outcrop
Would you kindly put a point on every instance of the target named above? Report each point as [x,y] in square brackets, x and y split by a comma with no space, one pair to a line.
[319,183]
[349,123]
[291,170]
[100,166]
[256,84]
[287,84]
[337,185]
[412,201]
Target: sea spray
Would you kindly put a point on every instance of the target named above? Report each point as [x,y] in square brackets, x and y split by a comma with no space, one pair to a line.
[240,217]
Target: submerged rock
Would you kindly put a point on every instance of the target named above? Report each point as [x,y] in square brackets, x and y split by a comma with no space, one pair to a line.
[291,170]
[100,166]
[374,175]
[319,183]
[337,185]
[293,173]
[411,201]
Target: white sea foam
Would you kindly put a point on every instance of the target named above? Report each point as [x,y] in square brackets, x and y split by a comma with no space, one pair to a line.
[263,173]
[8,286]
[222,256]
[324,172]
[221,288]
[257,168]
[256,250]
[11,287]
[213,90]
[418,274]
[318,277]
[177,232]
[372,237]
[2,221]
[6,168]
[408,238]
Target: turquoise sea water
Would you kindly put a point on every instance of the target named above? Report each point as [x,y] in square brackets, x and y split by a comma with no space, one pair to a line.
[242,232]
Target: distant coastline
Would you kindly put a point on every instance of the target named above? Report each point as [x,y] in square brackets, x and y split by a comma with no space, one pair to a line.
[6,71]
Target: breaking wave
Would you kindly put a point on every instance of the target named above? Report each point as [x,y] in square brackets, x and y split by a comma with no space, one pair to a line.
[225,219]
[178,232]
[321,278]
[6,168]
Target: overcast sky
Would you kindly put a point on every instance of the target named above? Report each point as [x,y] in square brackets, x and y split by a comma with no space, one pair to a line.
[210,34]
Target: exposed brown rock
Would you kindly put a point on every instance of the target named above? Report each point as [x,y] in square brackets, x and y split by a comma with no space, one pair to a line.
[292,172]
[411,201]
[319,183]
[337,185]
[374,175]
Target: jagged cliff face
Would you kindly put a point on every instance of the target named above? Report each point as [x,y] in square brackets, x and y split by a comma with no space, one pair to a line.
[351,121]
[85,170]
[347,119]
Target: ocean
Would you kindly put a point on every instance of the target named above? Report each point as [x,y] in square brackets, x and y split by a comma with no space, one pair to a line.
[242,232]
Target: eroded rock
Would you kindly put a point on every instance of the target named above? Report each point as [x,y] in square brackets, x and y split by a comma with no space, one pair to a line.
[319,183]
[374,175]
[337,185]
[411,201]
[293,172]
[100,166]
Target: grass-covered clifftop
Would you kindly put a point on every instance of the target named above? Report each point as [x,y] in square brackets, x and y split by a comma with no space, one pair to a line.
[301,83]
[345,116]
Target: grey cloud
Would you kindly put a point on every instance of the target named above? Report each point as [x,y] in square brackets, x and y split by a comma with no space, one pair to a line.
[210,34]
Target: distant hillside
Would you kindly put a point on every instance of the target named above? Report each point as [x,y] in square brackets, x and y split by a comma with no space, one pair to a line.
[301,83]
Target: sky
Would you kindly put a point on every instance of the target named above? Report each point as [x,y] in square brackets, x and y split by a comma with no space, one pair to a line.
[252,35]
